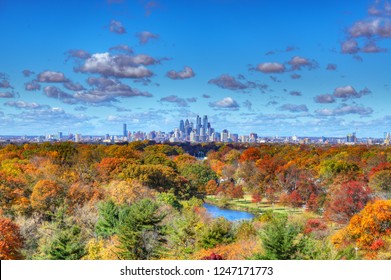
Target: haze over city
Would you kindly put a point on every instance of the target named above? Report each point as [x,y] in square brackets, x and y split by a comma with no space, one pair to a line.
[313,68]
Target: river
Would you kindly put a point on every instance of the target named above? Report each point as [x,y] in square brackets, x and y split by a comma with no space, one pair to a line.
[230,215]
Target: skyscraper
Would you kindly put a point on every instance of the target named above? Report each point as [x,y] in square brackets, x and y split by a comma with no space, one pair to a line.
[205,124]
[125,132]
[182,126]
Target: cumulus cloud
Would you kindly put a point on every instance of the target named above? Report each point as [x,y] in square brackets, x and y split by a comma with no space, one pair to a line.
[145,36]
[347,92]
[51,116]
[331,67]
[324,98]
[349,46]
[80,54]
[345,110]
[73,86]
[51,77]
[205,96]
[117,27]
[174,99]
[106,90]
[7,94]
[25,105]
[122,48]
[186,73]
[371,47]
[297,63]
[55,92]
[32,86]
[228,82]
[376,27]
[295,93]
[27,73]
[225,103]
[294,108]
[271,67]
[118,66]
[370,30]
[5,84]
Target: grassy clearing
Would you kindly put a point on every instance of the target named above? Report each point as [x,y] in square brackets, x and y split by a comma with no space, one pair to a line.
[245,204]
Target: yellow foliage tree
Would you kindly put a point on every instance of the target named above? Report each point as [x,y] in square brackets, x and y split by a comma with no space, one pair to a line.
[128,191]
[369,230]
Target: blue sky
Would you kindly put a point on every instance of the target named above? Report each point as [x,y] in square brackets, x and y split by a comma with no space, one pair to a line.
[310,68]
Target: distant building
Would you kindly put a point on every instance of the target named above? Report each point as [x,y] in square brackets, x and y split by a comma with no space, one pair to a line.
[351,138]
[78,138]
[125,130]
[224,136]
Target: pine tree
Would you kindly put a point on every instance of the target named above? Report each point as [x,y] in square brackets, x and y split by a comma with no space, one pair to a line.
[66,242]
[66,245]
[139,232]
[108,219]
[280,240]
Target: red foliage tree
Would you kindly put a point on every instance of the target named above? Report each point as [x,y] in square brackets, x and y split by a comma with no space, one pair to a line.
[11,241]
[256,197]
[314,225]
[346,201]
[295,199]
[213,257]
[312,203]
[236,192]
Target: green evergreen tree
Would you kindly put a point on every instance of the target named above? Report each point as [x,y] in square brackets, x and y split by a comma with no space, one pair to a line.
[107,224]
[219,232]
[140,232]
[66,243]
[281,240]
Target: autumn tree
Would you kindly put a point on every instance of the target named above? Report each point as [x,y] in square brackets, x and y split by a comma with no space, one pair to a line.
[46,196]
[380,182]
[11,241]
[14,195]
[236,192]
[251,154]
[79,194]
[159,177]
[198,175]
[128,192]
[295,199]
[367,228]
[108,168]
[210,188]
[347,200]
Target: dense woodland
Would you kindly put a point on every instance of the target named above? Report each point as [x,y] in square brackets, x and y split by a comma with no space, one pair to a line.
[144,200]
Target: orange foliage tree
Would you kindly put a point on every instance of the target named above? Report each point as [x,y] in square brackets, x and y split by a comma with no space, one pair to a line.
[367,229]
[46,196]
[11,241]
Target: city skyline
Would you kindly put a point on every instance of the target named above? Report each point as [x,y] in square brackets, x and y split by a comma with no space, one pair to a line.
[267,67]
